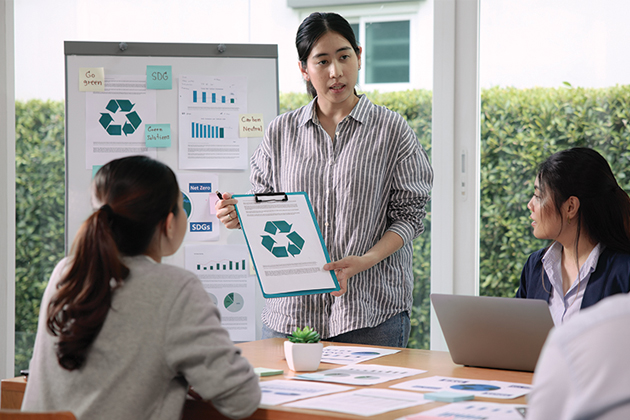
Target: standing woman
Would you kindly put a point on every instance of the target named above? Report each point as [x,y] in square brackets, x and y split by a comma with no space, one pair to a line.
[368,179]
[121,336]
[578,205]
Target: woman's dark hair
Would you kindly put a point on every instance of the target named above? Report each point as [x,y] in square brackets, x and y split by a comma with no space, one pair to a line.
[136,195]
[314,27]
[604,211]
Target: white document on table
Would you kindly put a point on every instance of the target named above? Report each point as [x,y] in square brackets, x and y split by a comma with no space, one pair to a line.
[487,389]
[361,374]
[364,402]
[286,244]
[472,410]
[347,355]
[281,391]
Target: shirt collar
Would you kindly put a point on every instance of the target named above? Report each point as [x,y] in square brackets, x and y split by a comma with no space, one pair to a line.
[359,112]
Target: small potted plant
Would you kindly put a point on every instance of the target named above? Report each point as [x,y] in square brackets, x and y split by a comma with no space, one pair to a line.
[303,350]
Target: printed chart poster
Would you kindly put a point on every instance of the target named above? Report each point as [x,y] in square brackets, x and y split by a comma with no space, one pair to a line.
[224,273]
[197,189]
[115,119]
[209,109]
[487,389]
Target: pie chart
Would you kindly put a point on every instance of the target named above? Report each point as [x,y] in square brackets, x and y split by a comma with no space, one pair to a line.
[233,302]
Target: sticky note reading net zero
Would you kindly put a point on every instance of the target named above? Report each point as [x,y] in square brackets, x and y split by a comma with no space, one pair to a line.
[159,77]
[91,79]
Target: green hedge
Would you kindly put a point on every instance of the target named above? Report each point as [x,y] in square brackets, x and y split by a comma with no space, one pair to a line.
[519,129]
[39,222]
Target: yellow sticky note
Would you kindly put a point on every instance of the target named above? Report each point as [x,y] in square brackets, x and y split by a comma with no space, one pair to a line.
[92,79]
[251,125]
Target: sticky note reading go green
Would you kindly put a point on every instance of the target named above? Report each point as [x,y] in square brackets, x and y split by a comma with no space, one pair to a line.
[159,77]
[157,135]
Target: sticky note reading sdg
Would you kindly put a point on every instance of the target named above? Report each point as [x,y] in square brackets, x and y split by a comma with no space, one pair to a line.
[157,135]
[159,77]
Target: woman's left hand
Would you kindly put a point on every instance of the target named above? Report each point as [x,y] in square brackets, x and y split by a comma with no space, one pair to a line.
[346,268]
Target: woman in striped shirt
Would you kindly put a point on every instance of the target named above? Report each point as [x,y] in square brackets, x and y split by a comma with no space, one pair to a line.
[368,179]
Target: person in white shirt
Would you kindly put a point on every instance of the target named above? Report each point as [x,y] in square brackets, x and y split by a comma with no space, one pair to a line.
[583,371]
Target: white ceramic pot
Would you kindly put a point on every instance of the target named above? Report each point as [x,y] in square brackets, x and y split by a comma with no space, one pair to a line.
[303,357]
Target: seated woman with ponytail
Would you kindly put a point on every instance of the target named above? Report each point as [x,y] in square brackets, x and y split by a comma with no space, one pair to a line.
[580,207]
[122,336]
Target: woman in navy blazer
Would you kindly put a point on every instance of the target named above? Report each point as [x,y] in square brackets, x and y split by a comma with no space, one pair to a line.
[578,205]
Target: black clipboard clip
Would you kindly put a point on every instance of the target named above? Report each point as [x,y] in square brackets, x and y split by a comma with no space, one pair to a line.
[266,197]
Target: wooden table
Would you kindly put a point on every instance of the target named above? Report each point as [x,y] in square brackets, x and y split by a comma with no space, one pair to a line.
[270,354]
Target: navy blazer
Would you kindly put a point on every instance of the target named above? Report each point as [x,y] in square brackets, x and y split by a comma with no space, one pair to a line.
[611,276]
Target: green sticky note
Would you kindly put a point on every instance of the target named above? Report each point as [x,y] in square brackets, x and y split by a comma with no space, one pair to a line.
[95,169]
[446,396]
[159,77]
[261,371]
[157,135]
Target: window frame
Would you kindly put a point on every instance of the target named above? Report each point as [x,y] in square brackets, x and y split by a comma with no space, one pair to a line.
[362,21]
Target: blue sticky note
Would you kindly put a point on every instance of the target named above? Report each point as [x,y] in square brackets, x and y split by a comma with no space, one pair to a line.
[157,135]
[95,169]
[446,396]
[159,77]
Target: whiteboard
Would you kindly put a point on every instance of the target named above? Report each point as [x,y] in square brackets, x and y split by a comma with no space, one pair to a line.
[257,63]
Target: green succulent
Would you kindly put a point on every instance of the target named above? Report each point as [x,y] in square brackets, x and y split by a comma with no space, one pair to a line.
[304,335]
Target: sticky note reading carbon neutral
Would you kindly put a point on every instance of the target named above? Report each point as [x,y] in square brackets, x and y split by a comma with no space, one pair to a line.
[251,125]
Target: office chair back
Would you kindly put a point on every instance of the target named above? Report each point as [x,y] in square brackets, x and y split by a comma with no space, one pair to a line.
[25,415]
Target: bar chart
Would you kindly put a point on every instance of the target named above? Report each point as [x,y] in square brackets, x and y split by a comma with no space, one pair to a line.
[205,97]
[206,131]
[224,265]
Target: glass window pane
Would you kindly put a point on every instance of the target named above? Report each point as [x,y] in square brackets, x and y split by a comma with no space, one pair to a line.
[355,29]
[387,52]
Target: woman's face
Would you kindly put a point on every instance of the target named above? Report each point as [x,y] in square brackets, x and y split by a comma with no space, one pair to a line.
[333,67]
[547,223]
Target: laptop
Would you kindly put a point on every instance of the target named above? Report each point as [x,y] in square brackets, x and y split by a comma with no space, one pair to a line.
[493,332]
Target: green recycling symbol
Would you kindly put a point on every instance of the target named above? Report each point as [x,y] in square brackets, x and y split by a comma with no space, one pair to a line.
[296,243]
[122,105]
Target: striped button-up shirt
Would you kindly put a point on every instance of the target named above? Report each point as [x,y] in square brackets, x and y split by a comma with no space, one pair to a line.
[371,178]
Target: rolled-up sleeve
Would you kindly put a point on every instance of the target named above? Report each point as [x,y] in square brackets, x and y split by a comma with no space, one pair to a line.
[412,183]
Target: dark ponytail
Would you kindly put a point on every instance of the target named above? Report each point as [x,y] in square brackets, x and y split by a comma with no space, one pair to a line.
[604,212]
[137,194]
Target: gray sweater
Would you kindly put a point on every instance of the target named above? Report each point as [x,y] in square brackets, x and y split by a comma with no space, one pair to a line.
[162,334]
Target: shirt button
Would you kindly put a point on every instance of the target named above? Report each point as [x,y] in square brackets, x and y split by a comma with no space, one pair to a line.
[337,134]
[326,224]
[330,162]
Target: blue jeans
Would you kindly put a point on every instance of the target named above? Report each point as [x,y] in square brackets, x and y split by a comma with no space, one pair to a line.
[392,333]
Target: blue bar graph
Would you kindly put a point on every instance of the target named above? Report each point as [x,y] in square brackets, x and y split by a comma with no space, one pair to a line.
[194,96]
[206,131]
[203,97]
[214,98]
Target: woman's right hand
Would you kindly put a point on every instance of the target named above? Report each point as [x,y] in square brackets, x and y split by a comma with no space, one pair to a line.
[226,211]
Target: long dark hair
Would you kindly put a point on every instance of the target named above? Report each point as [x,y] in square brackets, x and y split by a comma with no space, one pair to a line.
[136,195]
[604,211]
[313,28]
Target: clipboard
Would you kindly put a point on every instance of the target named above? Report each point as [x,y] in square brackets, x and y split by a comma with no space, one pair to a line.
[285,243]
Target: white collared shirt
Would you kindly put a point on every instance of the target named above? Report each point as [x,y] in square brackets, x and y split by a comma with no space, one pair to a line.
[564,306]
